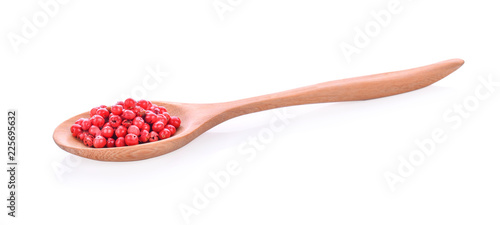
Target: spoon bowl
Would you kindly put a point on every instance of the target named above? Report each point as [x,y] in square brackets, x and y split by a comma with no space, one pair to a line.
[184,134]
[198,118]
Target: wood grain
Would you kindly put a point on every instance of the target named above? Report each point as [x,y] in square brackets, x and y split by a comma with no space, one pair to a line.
[198,118]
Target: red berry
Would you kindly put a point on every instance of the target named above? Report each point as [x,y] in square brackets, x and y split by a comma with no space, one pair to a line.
[153,136]
[133,129]
[146,127]
[126,123]
[131,139]
[172,129]
[156,110]
[128,114]
[107,131]
[141,113]
[162,118]
[103,112]
[115,120]
[88,141]
[119,103]
[94,130]
[82,135]
[150,118]
[129,103]
[175,121]
[100,142]
[120,142]
[121,131]
[158,126]
[97,120]
[162,109]
[144,104]
[79,121]
[93,111]
[86,124]
[76,130]
[166,116]
[144,137]
[137,110]
[138,121]
[165,133]
[117,109]
[110,143]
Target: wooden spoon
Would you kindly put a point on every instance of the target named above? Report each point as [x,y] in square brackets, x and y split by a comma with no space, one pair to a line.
[198,118]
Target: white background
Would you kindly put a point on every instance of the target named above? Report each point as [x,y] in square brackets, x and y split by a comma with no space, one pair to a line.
[326,166]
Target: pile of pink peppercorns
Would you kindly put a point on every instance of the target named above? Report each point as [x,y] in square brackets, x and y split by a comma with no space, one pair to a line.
[124,124]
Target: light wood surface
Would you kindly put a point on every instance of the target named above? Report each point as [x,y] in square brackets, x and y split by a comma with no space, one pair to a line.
[198,118]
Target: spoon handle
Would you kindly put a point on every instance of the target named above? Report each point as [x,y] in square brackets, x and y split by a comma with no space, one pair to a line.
[351,89]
